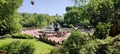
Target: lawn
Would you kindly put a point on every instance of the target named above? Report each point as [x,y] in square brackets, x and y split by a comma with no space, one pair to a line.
[40,47]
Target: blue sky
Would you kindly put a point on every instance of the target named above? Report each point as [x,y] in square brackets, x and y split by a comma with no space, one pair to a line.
[51,7]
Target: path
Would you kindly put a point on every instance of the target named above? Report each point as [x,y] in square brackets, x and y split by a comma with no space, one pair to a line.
[35,33]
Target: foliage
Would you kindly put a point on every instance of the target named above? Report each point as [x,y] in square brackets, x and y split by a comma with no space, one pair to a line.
[80,44]
[5,36]
[22,36]
[58,50]
[96,11]
[79,2]
[28,20]
[18,47]
[40,47]
[77,16]
[27,48]
[71,26]
[71,17]
[77,44]
[9,18]
[39,20]
[110,45]
[104,11]
[102,30]
[55,51]
[100,11]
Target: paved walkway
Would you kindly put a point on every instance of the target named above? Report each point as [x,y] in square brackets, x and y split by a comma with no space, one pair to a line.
[35,33]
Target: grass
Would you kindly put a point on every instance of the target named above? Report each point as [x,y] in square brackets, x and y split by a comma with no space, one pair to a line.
[40,47]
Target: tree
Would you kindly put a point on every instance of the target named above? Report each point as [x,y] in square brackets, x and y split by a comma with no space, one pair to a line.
[105,11]
[79,44]
[77,16]
[36,20]
[28,20]
[110,45]
[41,20]
[102,30]
[79,2]
[72,17]
[100,11]
[9,16]
[74,14]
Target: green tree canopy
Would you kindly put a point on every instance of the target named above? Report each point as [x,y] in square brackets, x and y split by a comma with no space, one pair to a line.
[9,18]
[80,44]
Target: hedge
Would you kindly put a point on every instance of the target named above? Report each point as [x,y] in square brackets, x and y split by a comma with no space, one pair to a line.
[22,36]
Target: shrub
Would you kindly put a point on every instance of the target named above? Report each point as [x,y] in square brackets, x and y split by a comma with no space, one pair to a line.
[80,44]
[70,26]
[18,47]
[5,36]
[64,25]
[102,30]
[27,48]
[58,50]
[22,36]
[54,51]
[110,45]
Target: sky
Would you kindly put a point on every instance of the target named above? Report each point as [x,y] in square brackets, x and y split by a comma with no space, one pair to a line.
[51,7]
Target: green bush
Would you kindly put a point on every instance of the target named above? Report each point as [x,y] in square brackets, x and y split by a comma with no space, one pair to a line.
[27,48]
[54,51]
[5,36]
[22,36]
[18,47]
[110,45]
[80,44]
[102,30]
[58,50]
[70,26]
